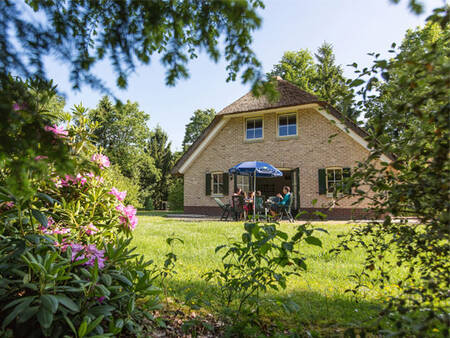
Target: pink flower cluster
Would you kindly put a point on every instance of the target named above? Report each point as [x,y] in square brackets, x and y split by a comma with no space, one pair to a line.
[119,194]
[90,251]
[58,131]
[18,106]
[128,217]
[101,160]
[90,229]
[70,180]
[51,229]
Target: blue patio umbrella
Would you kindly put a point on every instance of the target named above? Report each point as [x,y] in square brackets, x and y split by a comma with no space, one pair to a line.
[255,169]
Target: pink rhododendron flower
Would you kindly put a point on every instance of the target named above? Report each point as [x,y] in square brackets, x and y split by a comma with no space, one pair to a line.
[17,106]
[101,160]
[99,179]
[80,251]
[90,229]
[80,179]
[40,157]
[101,299]
[9,204]
[58,131]
[90,175]
[120,195]
[128,217]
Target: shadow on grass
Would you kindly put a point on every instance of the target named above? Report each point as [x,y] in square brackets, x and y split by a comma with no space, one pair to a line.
[303,308]
[161,213]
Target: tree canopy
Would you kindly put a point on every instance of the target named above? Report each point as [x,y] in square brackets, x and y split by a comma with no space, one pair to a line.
[131,32]
[197,123]
[321,77]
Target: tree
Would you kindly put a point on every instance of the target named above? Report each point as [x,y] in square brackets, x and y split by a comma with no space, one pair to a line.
[158,149]
[297,68]
[408,112]
[323,78]
[81,33]
[330,83]
[198,122]
[123,134]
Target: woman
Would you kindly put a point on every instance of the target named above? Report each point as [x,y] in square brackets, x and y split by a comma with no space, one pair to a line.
[275,207]
[248,207]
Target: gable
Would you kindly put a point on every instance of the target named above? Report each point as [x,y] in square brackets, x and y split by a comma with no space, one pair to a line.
[354,133]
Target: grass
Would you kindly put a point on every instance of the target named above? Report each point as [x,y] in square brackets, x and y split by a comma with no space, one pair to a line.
[319,292]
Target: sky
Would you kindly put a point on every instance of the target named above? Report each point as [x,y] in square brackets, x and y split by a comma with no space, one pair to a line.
[353,27]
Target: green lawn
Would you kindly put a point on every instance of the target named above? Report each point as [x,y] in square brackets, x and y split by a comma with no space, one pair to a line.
[319,292]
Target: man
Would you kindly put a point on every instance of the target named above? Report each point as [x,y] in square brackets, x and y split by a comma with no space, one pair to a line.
[275,207]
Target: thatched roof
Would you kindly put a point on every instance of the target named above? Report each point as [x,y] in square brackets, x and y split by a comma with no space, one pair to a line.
[290,95]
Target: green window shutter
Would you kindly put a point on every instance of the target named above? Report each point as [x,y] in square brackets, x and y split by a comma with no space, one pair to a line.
[208,184]
[322,182]
[346,173]
[226,183]
[235,182]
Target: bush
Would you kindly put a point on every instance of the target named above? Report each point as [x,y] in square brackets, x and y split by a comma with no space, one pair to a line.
[114,177]
[65,261]
[176,195]
[149,203]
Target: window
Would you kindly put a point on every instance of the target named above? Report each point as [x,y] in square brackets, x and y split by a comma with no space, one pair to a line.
[217,183]
[254,129]
[334,181]
[287,125]
[243,182]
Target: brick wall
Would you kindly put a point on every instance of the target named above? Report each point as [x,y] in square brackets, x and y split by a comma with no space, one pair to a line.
[309,151]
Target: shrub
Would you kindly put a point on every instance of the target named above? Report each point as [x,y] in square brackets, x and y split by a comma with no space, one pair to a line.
[176,195]
[113,176]
[65,261]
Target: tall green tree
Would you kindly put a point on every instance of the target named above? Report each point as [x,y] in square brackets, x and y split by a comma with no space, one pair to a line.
[297,68]
[409,116]
[158,149]
[330,84]
[197,123]
[123,134]
[321,77]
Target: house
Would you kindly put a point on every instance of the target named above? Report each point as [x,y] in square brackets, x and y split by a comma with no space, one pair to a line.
[307,139]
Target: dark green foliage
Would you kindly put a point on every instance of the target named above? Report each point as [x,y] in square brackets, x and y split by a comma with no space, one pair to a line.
[197,123]
[176,195]
[158,148]
[81,33]
[409,116]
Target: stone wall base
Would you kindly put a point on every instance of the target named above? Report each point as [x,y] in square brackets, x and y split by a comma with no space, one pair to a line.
[332,214]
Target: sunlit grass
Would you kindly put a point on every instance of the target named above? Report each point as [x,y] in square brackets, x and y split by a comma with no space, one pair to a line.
[320,292]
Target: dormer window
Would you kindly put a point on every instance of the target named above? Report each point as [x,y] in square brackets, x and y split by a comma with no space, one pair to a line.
[254,128]
[287,125]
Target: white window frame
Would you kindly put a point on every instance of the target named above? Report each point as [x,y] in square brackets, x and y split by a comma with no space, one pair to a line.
[245,128]
[244,186]
[214,185]
[331,194]
[278,125]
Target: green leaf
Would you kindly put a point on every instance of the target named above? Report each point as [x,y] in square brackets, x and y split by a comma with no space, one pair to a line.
[313,241]
[357,82]
[40,217]
[50,302]
[27,314]
[44,317]
[17,311]
[122,278]
[69,322]
[94,324]
[104,310]
[68,303]
[82,329]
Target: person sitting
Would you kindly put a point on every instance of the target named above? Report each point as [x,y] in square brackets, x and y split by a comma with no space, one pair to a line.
[275,207]
[248,207]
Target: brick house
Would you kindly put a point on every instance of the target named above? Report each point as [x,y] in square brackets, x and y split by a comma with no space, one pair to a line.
[293,134]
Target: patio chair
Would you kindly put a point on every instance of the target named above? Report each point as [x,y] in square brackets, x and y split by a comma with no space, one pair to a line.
[285,210]
[237,206]
[259,207]
[226,209]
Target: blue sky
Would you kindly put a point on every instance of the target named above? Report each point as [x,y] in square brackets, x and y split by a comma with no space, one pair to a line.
[354,27]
